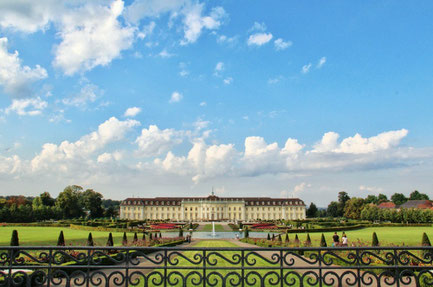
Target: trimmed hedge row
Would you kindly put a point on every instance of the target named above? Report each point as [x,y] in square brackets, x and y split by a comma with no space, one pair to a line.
[354,227]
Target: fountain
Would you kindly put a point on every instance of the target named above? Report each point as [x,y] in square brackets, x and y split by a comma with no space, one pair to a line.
[213,229]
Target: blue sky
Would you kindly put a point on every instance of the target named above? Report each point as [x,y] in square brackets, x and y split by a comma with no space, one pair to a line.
[147,97]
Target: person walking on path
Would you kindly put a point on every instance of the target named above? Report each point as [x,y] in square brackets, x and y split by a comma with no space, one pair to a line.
[336,240]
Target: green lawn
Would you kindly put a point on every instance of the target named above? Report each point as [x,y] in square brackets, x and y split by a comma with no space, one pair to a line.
[216,280]
[387,235]
[208,228]
[48,236]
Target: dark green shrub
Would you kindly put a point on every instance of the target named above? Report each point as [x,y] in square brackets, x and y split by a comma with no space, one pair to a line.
[287,240]
[323,241]
[296,239]
[90,240]
[110,241]
[14,239]
[246,232]
[144,236]
[124,239]
[425,240]
[375,240]
[308,240]
[61,239]
[269,236]
[135,237]
[279,238]
[180,232]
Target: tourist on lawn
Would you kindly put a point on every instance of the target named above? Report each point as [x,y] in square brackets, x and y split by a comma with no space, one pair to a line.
[336,240]
[344,240]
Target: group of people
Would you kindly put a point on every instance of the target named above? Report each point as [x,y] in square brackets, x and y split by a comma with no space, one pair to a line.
[336,240]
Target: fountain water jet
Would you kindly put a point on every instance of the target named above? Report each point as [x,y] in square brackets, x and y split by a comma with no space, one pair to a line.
[213,229]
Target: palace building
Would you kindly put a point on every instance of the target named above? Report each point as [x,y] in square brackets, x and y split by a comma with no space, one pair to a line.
[212,208]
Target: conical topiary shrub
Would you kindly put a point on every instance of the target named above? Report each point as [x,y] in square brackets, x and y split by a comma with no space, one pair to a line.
[160,235]
[14,238]
[90,240]
[308,240]
[143,237]
[110,241]
[269,236]
[61,239]
[124,239]
[426,242]
[246,232]
[375,240]
[135,237]
[323,241]
[180,232]
[287,240]
[296,239]
[150,236]
[279,238]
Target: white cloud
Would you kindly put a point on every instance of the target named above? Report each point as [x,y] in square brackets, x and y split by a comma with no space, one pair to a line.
[175,97]
[280,44]
[165,54]
[306,68]
[85,30]
[258,27]
[275,80]
[27,107]
[132,112]
[228,80]
[194,22]
[151,8]
[359,145]
[147,30]
[15,78]
[321,62]
[88,94]
[219,67]
[68,155]
[223,39]
[259,39]
[107,157]
[370,189]
[153,141]
[200,124]
[203,104]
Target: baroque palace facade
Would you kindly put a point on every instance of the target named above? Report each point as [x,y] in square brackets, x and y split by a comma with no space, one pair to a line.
[212,208]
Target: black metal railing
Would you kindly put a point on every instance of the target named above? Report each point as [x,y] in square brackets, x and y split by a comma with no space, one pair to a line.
[190,266]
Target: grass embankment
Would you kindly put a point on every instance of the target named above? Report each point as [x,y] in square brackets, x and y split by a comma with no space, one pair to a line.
[215,280]
[387,236]
[218,228]
[41,236]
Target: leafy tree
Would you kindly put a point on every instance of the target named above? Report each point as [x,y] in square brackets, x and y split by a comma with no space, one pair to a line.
[353,208]
[332,209]
[92,202]
[46,199]
[323,241]
[90,240]
[416,195]
[375,240]
[398,198]
[371,199]
[61,239]
[69,201]
[381,198]
[312,210]
[343,197]
[14,238]
[110,241]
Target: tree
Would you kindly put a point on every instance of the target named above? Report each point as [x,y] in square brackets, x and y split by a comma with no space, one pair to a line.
[371,199]
[46,199]
[353,207]
[375,240]
[381,198]
[61,239]
[343,197]
[312,210]
[416,195]
[110,241]
[398,198]
[69,201]
[92,202]
[90,240]
[14,238]
[332,209]
[323,241]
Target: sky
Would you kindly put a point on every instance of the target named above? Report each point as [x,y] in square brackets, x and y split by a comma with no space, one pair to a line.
[152,98]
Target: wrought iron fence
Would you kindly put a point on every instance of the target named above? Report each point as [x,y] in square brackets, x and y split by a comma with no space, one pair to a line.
[190,266]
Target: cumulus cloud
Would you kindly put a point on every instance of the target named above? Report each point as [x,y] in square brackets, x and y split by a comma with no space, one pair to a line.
[175,97]
[132,112]
[219,67]
[153,141]
[373,189]
[194,22]
[59,156]
[228,80]
[84,30]
[152,8]
[88,94]
[280,44]
[259,39]
[15,78]
[27,107]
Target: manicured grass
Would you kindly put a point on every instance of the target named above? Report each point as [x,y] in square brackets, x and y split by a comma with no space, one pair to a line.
[215,280]
[48,236]
[387,235]
[218,228]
